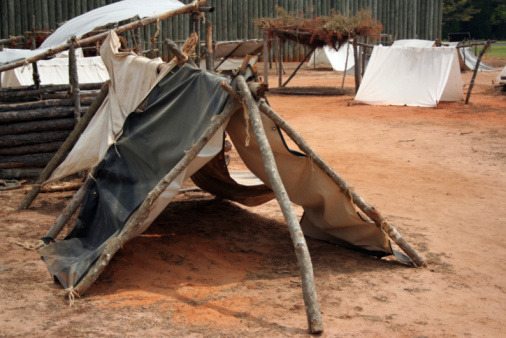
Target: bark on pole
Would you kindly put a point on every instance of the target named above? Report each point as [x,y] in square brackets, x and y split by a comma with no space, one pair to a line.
[266,57]
[102,36]
[370,211]
[74,80]
[67,213]
[65,148]
[304,259]
[471,85]
[357,64]
[139,216]
[209,47]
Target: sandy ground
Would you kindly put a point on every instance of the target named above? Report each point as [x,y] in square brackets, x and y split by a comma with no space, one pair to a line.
[209,267]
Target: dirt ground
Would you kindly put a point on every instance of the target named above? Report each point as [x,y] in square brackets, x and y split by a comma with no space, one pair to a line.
[208,267]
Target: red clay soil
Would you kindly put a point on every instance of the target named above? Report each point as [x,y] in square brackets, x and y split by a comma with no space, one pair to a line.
[208,267]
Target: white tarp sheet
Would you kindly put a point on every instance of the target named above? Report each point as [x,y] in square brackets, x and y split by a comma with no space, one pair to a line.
[127,90]
[413,43]
[56,71]
[96,18]
[501,78]
[411,76]
[470,60]
[337,59]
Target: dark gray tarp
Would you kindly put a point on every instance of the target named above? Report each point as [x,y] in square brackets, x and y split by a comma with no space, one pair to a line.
[178,111]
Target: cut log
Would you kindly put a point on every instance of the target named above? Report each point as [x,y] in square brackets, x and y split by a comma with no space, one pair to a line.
[30,91]
[313,312]
[258,89]
[66,147]
[25,161]
[36,126]
[20,172]
[38,114]
[85,101]
[209,47]
[33,138]
[31,149]
[65,186]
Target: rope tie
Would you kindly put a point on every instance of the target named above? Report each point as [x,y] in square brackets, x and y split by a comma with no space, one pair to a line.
[71,294]
[384,227]
[157,27]
[349,191]
[90,174]
[191,149]
[116,148]
[31,246]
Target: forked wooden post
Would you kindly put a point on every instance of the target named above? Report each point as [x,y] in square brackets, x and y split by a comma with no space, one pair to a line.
[370,211]
[139,216]
[65,148]
[304,259]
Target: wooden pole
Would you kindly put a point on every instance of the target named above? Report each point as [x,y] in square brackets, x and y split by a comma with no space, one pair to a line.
[209,47]
[304,259]
[101,36]
[35,70]
[478,61]
[74,80]
[298,67]
[65,148]
[370,211]
[280,67]
[139,216]
[266,57]
[345,65]
[357,64]
[67,213]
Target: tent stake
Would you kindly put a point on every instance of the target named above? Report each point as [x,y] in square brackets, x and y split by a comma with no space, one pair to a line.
[65,148]
[370,211]
[306,267]
[139,216]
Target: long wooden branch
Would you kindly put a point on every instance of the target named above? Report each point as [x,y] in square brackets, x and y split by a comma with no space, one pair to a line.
[139,216]
[304,259]
[370,211]
[102,36]
[478,61]
[65,148]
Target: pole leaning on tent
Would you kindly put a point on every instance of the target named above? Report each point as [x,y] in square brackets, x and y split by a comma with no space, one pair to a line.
[93,39]
[306,267]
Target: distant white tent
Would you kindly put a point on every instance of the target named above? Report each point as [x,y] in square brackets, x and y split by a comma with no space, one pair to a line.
[411,76]
[337,59]
[501,78]
[469,59]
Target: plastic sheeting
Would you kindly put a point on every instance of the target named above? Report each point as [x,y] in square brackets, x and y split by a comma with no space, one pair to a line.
[411,76]
[152,143]
[337,59]
[56,71]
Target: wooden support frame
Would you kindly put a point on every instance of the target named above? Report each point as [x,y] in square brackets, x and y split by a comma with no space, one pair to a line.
[298,67]
[478,61]
[304,259]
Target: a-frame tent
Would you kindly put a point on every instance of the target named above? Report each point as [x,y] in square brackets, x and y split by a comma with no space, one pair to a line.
[340,60]
[176,129]
[412,76]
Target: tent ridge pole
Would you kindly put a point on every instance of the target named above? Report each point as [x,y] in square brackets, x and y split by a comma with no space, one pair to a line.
[304,259]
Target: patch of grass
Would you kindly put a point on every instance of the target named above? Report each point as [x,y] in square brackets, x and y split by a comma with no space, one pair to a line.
[496,52]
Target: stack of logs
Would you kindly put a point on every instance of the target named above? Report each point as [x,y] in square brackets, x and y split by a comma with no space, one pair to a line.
[34,123]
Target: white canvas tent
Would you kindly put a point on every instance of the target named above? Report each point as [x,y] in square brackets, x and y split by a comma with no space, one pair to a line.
[336,59]
[501,78]
[411,76]
[229,55]
[413,43]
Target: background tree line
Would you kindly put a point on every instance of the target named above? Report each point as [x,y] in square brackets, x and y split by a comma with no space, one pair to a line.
[484,19]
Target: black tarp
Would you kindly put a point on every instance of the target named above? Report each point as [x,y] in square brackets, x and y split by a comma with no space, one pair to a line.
[178,111]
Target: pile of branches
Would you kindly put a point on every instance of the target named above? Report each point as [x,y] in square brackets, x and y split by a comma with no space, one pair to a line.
[333,30]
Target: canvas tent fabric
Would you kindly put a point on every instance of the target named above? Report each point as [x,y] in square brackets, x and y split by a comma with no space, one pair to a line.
[337,59]
[56,71]
[411,76]
[127,90]
[99,17]
[413,43]
[470,60]
[501,78]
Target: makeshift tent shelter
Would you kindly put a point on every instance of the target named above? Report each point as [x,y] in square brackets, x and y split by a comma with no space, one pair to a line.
[340,60]
[411,76]
[174,133]
[501,78]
